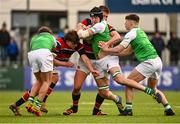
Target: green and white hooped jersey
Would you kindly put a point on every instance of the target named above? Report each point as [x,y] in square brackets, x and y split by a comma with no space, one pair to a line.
[142,47]
[43,41]
[101,33]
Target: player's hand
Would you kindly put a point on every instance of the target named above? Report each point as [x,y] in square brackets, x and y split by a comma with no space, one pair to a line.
[95,73]
[79,26]
[103,45]
[69,64]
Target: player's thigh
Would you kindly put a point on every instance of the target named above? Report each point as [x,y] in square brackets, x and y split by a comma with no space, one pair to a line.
[102,82]
[38,76]
[46,76]
[79,78]
[136,76]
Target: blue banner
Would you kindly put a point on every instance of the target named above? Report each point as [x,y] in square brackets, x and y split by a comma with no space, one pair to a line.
[170,78]
[147,6]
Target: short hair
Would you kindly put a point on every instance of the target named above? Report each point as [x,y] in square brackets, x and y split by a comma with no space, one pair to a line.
[44,29]
[72,36]
[104,9]
[133,17]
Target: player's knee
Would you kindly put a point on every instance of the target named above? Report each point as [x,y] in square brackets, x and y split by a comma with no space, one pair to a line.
[120,79]
[55,78]
[103,91]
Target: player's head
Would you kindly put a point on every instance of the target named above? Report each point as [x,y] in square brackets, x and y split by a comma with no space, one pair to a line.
[86,22]
[72,39]
[96,15]
[105,11]
[44,29]
[132,20]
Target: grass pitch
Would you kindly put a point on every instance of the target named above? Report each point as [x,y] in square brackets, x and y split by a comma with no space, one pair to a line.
[145,109]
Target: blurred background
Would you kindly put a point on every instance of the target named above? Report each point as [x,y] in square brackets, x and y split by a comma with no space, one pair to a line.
[20,19]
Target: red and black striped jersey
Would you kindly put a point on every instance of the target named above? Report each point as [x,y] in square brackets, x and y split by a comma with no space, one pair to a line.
[64,52]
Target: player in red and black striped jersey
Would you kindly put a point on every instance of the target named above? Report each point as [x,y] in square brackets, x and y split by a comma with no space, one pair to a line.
[83,72]
[65,48]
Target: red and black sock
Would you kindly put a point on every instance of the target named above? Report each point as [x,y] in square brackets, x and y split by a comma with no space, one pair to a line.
[76,100]
[23,99]
[50,89]
[99,101]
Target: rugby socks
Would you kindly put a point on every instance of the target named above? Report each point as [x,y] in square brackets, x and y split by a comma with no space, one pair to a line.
[117,99]
[31,99]
[76,100]
[50,89]
[99,101]
[38,103]
[23,99]
[149,91]
[167,106]
[128,106]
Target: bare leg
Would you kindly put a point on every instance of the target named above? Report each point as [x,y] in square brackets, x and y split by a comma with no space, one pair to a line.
[46,79]
[168,110]
[36,86]
[120,79]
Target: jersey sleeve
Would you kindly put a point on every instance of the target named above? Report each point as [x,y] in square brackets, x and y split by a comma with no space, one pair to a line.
[128,38]
[54,41]
[98,28]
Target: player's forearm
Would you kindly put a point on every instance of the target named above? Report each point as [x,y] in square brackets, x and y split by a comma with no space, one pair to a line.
[125,53]
[84,33]
[59,63]
[115,50]
[115,37]
[87,62]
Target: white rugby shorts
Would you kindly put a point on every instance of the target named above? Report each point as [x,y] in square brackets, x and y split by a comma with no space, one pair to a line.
[41,60]
[150,68]
[105,64]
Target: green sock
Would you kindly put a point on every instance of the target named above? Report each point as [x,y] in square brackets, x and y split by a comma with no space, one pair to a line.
[38,103]
[128,106]
[31,99]
[149,91]
[167,106]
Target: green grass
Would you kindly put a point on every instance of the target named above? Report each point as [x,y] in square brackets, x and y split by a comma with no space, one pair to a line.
[145,109]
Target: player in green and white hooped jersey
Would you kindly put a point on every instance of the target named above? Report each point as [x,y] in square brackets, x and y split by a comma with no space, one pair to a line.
[41,61]
[150,65]
[107,63]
